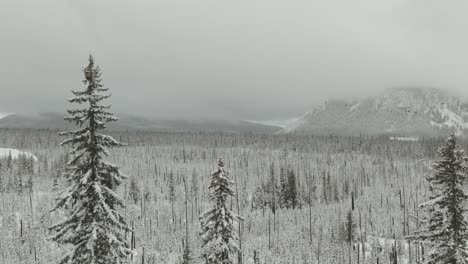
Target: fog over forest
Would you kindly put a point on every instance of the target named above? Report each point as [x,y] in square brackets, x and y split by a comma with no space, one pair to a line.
[232,60]
[233,132]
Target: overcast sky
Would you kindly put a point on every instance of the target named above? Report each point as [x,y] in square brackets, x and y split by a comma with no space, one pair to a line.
[237,59]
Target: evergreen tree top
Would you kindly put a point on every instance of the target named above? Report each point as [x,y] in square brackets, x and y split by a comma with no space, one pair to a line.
[94,226]
[220,163]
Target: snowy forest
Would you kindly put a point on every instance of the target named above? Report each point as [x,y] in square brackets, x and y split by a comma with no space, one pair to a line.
[93,195]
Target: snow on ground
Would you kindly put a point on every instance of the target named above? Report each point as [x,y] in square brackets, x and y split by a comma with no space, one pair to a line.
[353,107]
[158,257]
[385,244]
[2,115]
[404,138]
[4,152]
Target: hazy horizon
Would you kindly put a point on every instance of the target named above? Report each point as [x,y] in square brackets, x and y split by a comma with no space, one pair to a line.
[249,60]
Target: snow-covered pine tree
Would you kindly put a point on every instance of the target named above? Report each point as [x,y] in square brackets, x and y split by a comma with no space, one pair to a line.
[444,227]
[134,191]
[9,162]
[291,189]
[94,228]
[217,223]
[282,187]
[55,184]
[272,190]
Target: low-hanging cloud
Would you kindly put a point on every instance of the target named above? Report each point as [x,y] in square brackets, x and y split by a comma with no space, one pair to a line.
[247,59]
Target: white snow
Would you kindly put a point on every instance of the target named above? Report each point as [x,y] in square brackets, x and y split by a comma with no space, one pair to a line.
[3,115]
[278,123]
[353,107]
[386,243]
[294,123]
[4,152]
[287,125]
[451,119]
[412,106]
[404,138]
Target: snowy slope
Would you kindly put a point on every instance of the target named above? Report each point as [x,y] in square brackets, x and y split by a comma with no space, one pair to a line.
[284,124]
[2,115]
[402,111]
[4,152]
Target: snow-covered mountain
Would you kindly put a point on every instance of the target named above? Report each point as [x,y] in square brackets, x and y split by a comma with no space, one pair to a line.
[398,111]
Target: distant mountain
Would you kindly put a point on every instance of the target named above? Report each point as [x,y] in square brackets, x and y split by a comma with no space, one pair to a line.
[397,111]
[128,122]
[43,120]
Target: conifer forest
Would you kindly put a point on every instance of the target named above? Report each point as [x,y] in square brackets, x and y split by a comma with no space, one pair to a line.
[95,195]
[233,132]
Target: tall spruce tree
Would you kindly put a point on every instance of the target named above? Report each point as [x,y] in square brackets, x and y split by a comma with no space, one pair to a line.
[134,191]
[272,189]
[292,189]
[94,227]
[283,188]
[444,227]
[217,223]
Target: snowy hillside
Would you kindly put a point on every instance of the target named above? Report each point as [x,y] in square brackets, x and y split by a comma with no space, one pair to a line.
[284,124]
[4,152]
[402,111]
[2,115]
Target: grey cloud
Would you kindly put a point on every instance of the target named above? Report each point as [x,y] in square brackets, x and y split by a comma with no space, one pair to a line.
[260,59]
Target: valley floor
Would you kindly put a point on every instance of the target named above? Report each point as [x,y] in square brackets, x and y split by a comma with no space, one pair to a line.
[355,199]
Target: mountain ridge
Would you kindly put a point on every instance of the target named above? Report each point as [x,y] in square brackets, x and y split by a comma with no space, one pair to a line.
[130,122]
[407,111]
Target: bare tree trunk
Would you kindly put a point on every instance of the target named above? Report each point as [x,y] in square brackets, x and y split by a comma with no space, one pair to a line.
[310,216]
[186,213]
[269,229]
[240,257]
